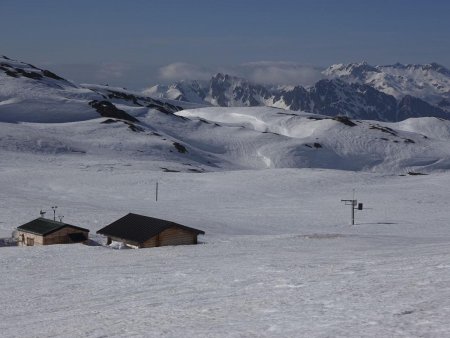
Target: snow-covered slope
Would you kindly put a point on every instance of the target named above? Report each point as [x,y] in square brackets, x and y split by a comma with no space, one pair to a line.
[35,95]
[429,82]
[30,94]
[278,259]
[56,116]
[310,140]
[242,138]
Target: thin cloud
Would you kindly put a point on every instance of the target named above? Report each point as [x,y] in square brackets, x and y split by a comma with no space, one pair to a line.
[112,71]
[261,72]
[183,71]
[287,73]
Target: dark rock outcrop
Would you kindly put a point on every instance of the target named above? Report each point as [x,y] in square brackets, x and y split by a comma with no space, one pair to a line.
[107,109]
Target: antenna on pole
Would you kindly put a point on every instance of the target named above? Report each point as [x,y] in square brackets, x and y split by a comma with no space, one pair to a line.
[354,205]
[156,192]
[54,212]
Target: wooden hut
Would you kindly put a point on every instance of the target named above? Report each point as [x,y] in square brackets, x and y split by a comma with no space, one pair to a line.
[139,231]
[42,231]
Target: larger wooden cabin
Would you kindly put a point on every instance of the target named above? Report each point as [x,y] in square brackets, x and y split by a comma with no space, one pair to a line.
[139,231]
[42,231]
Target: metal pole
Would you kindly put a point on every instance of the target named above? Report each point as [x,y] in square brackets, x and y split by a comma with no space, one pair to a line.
[353,212]
[156,195]
[54,212]
[353,207]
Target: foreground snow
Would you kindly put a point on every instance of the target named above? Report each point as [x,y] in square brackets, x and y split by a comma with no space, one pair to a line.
[278,258]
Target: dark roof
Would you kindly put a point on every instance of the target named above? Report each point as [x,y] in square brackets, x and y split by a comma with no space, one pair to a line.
[43,226]
[138,228]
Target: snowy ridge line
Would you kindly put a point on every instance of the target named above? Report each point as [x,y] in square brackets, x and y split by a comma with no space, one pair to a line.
[386,93]
[212,138]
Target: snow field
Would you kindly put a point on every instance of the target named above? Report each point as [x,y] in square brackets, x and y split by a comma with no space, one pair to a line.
[278,257]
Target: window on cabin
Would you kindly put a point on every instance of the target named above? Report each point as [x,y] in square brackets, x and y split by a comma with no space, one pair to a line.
[30,241]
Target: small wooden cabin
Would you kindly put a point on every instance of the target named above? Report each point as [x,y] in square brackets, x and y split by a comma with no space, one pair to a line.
[42,231]
[139,231]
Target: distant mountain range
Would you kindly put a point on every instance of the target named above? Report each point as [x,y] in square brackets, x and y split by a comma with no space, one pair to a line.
[357,90]
[43,114]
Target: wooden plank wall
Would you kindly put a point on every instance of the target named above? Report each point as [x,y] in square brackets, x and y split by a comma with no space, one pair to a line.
[151,243]
[62,236]
[171,236]
[58,237]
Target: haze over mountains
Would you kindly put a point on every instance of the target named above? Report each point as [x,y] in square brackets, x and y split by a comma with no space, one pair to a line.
[338,123]
[357,90]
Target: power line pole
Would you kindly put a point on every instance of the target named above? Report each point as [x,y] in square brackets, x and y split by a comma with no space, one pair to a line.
[156,192]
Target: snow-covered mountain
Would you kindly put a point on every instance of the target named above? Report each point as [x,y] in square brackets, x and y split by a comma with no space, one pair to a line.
[429,82]
[41,113]
[188,91]
[385,93]
[31,94]
[278,258]
[221,90]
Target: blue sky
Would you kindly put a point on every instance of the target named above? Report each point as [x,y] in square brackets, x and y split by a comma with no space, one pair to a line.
[127,42]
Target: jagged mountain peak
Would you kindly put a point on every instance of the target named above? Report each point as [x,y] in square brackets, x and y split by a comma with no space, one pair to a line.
[223,77]
[356,90]
[433,66]
[429,82]
[356,69]
[126,122]
[359,70]
[439,68]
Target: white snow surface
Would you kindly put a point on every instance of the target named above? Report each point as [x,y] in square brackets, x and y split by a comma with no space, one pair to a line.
[22,99]
[52,115]
[182,90]
[278,257]
[310,140]
[243,138]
